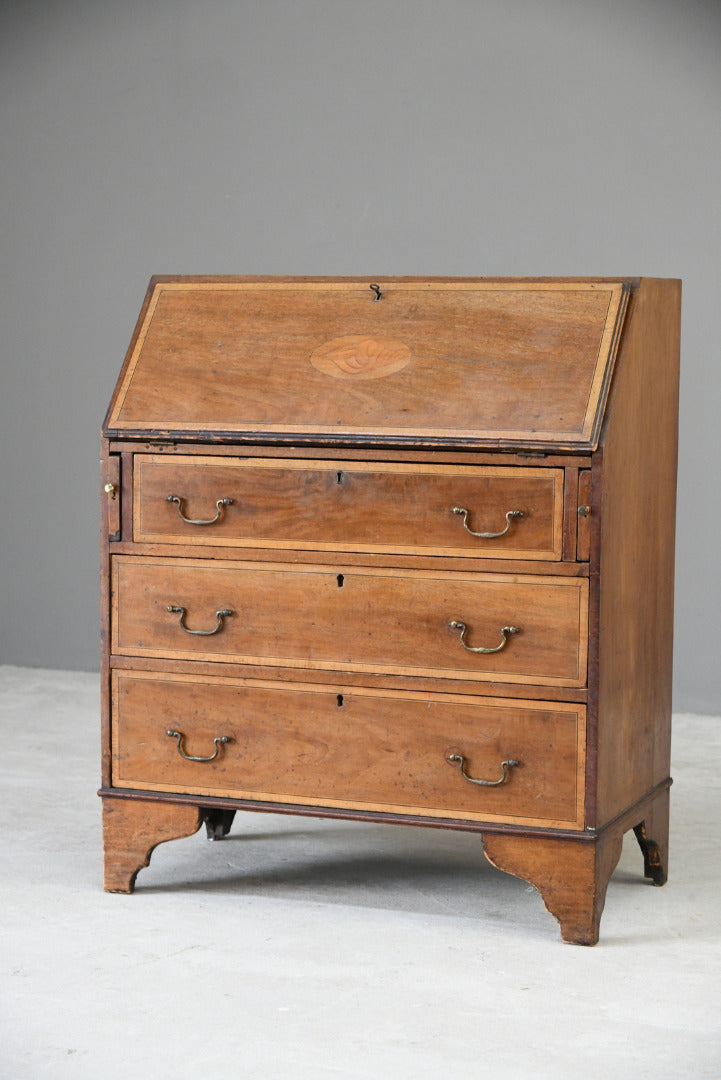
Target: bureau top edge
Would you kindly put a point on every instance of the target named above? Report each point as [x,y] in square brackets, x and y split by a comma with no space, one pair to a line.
[336,445]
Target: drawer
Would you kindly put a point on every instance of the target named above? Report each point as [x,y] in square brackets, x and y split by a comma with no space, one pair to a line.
[349,506]
[359,619]
[349,747]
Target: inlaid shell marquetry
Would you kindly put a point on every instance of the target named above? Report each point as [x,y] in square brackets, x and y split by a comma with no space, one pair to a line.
[357,356]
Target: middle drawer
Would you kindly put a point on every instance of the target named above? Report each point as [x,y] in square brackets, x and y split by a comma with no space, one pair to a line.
[513,628]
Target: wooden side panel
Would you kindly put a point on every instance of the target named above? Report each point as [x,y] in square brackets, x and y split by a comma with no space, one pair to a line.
[570,499]
[582,513]
[127,500]
[107,475]
[112,492]
[636,470]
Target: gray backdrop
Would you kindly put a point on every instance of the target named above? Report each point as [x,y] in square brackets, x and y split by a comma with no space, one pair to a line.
[326,137]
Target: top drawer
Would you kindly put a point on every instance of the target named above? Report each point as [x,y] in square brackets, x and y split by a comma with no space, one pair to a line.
[349,506]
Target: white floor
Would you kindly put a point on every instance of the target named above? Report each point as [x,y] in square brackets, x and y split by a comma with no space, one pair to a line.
[302,949]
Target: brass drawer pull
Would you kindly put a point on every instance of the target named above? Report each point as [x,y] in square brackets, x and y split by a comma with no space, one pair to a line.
[510,515]
[457,759]
[220,504]
[219,615]
[505,631]
[188,757]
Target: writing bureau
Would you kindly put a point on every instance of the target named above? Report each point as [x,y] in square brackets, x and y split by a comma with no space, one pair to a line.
[397,550]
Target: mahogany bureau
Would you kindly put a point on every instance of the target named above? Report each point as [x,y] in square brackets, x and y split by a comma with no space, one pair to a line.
[396,550]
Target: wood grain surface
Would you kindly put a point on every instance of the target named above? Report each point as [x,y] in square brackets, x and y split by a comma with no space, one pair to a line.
[347,506]
[350,746]
[513,363]
[358,619]
[635,474]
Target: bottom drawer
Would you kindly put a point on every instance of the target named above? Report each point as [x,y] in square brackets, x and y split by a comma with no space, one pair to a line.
[350,747]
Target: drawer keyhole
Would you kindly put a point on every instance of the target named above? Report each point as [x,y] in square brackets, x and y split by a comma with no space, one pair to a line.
[340,579]
[339,699]
[339,478]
